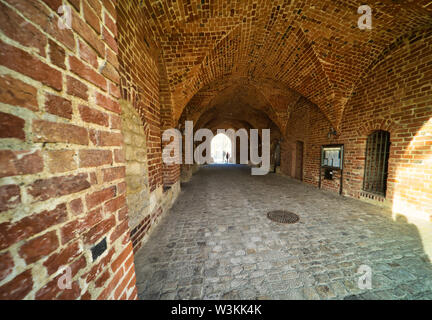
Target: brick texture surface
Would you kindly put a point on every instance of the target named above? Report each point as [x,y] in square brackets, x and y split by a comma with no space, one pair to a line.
[61,191]
[83,110]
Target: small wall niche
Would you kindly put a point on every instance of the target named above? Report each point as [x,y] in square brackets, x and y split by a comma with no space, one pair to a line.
[328,174]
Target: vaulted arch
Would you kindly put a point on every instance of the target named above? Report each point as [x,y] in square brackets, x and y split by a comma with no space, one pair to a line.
[313,48]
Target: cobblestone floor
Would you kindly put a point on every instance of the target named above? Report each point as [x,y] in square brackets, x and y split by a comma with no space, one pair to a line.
[217,243]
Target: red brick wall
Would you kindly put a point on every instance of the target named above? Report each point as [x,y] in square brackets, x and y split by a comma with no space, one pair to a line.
[62,164]
[62,183]
[394,95]
[308,125]
[170,173]
[144,84]
[140,79]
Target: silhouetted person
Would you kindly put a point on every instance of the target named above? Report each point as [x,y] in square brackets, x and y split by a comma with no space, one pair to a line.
[227,157]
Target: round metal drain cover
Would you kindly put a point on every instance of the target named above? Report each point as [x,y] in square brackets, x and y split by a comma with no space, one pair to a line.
[283,216]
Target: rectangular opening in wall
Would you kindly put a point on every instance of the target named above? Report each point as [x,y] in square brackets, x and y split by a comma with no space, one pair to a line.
[98,249]
[376,163]
[328,174]
[299,160]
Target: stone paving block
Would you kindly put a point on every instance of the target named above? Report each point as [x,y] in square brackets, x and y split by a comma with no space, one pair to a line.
[207,249]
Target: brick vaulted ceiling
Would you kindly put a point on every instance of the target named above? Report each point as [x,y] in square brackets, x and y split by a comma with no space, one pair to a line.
[285,50]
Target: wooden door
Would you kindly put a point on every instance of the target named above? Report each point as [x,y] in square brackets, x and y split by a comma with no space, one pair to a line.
[299,160]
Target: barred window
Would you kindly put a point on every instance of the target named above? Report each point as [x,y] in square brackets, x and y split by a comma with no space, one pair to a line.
[376,163]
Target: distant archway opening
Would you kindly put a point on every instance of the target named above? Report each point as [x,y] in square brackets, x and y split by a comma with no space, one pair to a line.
[221,148]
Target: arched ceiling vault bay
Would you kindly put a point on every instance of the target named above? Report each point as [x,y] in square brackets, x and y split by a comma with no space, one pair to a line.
[235,103]
[313,48]
[243,98]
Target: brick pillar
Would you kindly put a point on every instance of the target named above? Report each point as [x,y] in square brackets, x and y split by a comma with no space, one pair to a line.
[62,167]
[170,173]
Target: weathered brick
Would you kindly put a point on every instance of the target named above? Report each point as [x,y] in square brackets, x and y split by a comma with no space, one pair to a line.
[114,91]
[103,278]
[10,197]
[93,178]
[103,262]
[110,24]
[18,93]
[119,156]
[37,56]
[97,6]
[13,163]
[19,30]
[110,72]
[99,230]
[57,54]
[6,265]
[76,206]
[93,116]
[121,188]
[111,285]
[110,7]
[58,106]
[88,54]
[11,126]
[107,103]
[87,73]
[116,122]
[120,229]
[52,290]
[62,258]
[113,205]
[76,88]
[53,4]
[88,34]
[127,278]
[118,262]
[123,214]
[113,59]
[17,288]
[60,161]
[94,158]
[76,227]
[35,249]
[76,4]
[91,18]
[44,189]
[36,11]
[21,61]
[44,131]
[112,174]
[11,233]
[99,197]
[71,294]
[109,39]
[106,139]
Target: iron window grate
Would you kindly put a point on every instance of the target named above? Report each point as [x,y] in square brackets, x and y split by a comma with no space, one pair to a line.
[376,163]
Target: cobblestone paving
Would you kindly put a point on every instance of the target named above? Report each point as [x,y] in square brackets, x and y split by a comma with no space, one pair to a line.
[217,243]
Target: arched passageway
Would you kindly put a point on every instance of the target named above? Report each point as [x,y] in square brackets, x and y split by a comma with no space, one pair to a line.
[88,89]
[221,148]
